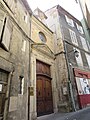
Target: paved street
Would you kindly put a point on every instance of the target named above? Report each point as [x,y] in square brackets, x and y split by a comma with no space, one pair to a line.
[79,115]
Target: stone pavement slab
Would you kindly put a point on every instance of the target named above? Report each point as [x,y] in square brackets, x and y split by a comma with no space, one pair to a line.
[54,116]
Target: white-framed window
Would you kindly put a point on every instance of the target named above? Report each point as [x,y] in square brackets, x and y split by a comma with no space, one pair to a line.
[79,58]
[88,59]
[73,37]
[23,45]
[84,44]
[69,21]
[80,29]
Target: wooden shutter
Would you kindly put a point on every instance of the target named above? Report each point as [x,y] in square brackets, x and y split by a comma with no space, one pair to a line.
[11,4]
[7,34]
[2,19]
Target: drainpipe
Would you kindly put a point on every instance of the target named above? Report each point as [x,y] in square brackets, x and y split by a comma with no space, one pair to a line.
[69,78]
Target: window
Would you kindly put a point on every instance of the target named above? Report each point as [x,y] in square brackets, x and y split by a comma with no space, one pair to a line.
[84,44]
[42,37]
[88,59]
[23,45]
[80,29]
[69,21]
[21,85]
[26,17]
[79,58]
[11,4]
[73,37]
[5,31]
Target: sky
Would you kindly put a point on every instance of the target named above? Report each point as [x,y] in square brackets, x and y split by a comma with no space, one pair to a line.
[70,5]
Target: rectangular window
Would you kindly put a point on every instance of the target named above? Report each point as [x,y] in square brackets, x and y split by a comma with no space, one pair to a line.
[88,59]
[69,21]
[2,22]
[79,58]
[21,85]
[5,30]
[26,17]
[84,44]
[73,37]
[80,29]
[23,45]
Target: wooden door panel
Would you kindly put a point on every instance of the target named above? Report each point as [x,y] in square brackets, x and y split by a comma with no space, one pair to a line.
[43,68]
[48,89]
[44,89]
[39,89]
[40,107]
[48,106]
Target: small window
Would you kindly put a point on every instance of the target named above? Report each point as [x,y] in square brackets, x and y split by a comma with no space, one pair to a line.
[23,45]
[69,21]
[42,37]
[21,85]
[25,17]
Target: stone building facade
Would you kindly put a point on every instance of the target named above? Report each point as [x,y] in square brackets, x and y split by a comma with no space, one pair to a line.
[15,42]
[71,68]
[39,72]
[43,73]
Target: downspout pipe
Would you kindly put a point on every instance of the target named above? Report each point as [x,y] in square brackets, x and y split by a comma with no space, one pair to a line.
[69,78]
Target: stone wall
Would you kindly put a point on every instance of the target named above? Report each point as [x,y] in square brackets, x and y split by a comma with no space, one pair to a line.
[16,60]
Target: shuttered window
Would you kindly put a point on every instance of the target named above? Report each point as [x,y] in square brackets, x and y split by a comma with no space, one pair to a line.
[7,34]
[11,4]
[5,30]
[88,59]
[2,20]
[84,44]
[69,21]
[73,37]
[80,29]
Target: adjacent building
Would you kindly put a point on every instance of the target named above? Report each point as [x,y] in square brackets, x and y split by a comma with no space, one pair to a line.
[72,70]
[15,21]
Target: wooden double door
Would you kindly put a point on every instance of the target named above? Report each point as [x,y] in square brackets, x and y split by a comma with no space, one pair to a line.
[44,89]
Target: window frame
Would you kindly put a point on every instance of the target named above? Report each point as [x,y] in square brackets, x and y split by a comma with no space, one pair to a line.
[69,21]
[42,37]
[73,37]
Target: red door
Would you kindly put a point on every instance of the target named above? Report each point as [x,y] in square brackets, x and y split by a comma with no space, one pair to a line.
[44,89]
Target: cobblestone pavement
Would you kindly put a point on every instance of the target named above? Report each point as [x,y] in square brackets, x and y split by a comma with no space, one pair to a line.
[83,114]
